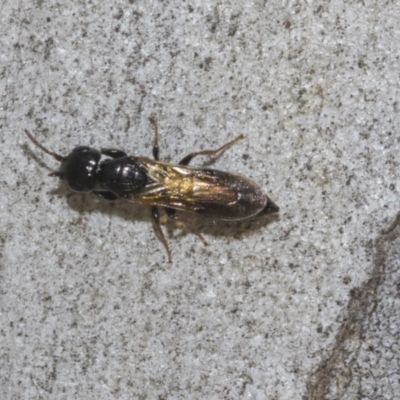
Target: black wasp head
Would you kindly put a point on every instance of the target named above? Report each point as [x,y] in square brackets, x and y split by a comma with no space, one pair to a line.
[78,169]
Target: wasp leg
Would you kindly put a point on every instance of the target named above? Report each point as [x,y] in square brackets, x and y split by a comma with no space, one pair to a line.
[196,232]
[171,214]
[156,150]
[156,224]
[113,153]
[105,195]
[186,160]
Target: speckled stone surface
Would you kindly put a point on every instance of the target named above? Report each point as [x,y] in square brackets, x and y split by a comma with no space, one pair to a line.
[304,306]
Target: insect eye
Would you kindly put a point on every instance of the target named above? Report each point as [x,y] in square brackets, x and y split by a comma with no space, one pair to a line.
[79,169]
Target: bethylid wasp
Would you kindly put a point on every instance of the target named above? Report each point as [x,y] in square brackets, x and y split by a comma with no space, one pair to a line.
[207,192]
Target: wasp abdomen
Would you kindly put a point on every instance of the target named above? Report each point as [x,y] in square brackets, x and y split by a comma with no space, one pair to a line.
[229,196]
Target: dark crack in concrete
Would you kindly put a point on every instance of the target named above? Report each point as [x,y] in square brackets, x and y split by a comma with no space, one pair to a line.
[364,362]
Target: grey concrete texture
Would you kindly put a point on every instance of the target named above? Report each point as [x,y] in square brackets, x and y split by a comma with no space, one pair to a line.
[301,306]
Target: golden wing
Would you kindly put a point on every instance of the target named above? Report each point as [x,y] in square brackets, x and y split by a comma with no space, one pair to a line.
[208,192]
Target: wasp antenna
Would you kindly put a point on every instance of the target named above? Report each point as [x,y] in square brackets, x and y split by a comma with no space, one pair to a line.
[52,153]
[58,174]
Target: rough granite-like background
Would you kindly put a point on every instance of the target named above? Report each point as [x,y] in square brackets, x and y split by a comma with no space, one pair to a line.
[304,306]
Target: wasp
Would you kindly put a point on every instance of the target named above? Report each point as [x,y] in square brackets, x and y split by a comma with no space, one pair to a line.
[206,192]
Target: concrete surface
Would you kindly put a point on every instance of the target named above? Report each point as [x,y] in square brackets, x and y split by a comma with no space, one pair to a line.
[304,306]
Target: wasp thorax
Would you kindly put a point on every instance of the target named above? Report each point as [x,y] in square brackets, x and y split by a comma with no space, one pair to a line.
[79,169]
